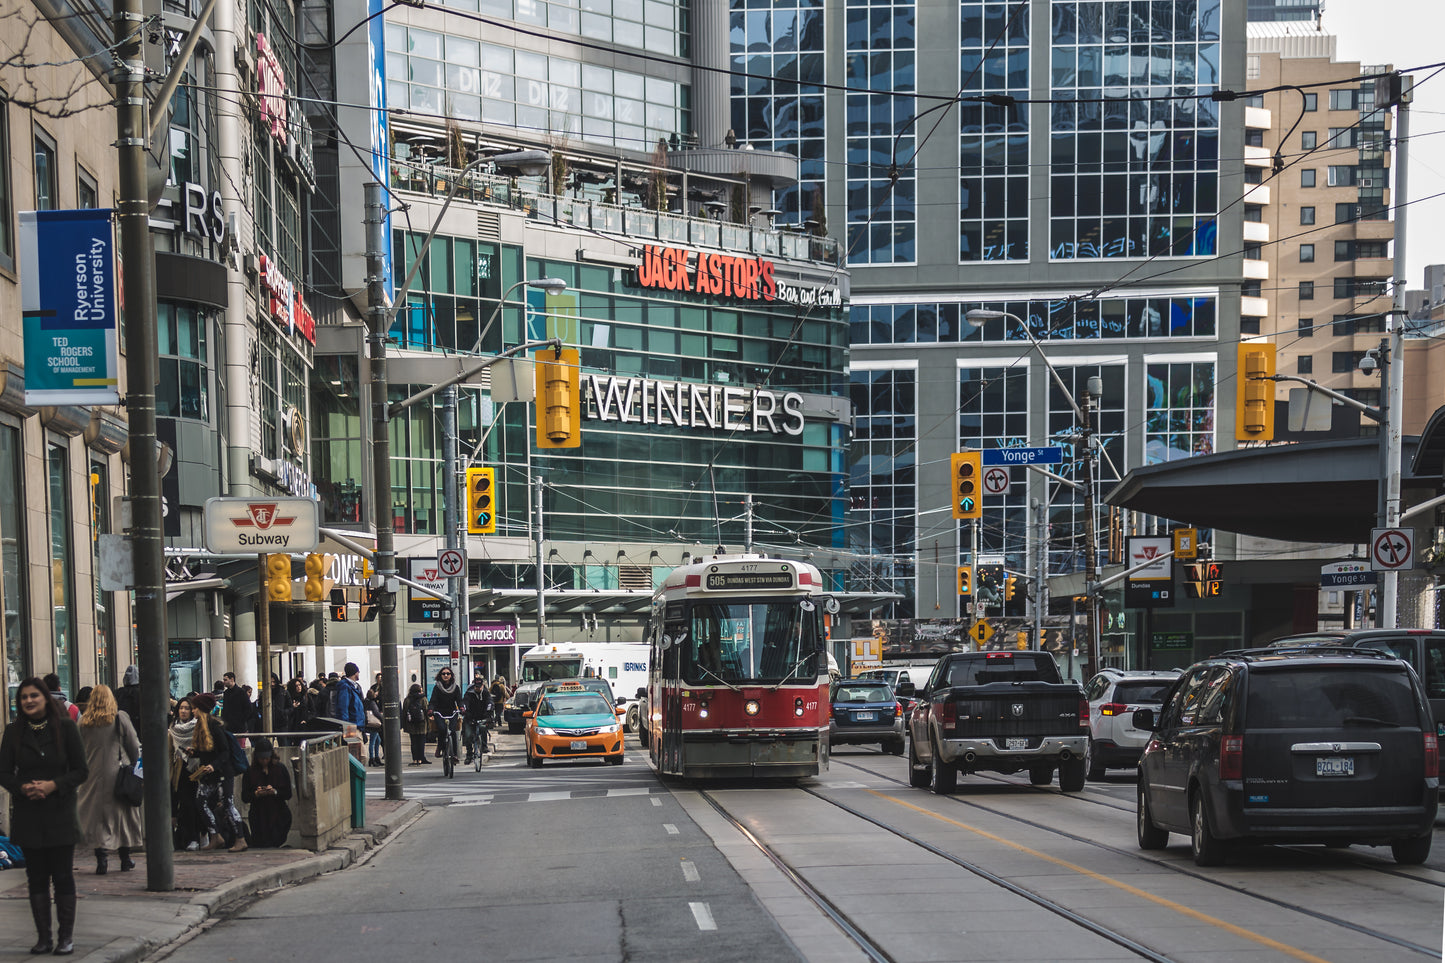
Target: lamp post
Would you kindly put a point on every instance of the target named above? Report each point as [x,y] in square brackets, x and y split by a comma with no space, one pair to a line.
[1092,391]
[380,313]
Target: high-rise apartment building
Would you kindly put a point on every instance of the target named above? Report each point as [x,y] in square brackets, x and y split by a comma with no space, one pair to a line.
[1318,234]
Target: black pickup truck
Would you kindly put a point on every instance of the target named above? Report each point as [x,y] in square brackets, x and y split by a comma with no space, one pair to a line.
[997,712]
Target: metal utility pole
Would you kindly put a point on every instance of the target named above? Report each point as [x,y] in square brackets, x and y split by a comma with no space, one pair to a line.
[378,321]
[450,520]
[1041,584]
[541,572]
[1091,574]
[141,366]
[1394,394]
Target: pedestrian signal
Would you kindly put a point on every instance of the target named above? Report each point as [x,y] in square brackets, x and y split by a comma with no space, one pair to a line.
[338,605]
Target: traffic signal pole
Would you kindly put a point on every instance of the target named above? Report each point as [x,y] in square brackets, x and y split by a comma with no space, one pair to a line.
[1388,613]
[451,518]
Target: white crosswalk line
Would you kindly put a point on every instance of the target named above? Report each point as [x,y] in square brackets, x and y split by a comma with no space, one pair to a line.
[689,871]
[635,791]
[703,914]
[548,796]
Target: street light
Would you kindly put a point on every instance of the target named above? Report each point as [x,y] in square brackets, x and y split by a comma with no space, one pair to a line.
[1093,390]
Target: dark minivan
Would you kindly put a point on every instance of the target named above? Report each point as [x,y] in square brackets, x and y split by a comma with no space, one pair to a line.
[1424,649]
[1331,745]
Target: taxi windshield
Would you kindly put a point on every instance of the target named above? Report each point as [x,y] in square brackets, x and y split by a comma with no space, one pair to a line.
[762,641]
[579,704]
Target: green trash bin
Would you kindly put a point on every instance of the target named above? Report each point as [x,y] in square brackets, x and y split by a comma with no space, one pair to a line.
[358,793]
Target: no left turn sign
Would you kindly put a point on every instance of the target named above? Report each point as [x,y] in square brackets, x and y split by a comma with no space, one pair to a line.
[450,563]
[1391,549]
[995,481]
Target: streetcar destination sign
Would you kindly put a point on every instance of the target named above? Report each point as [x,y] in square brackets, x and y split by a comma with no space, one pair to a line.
[749,580]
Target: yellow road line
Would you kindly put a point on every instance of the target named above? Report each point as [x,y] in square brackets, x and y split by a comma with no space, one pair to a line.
[1132,890]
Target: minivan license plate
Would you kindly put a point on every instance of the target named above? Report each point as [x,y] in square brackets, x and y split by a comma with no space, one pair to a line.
[579,743]
[1335,766]
[1016,744]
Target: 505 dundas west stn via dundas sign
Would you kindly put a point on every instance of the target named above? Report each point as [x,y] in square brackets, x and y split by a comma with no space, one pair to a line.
[244,526]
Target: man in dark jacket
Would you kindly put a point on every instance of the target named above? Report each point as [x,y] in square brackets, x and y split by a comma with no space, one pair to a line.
[236,710]
[350,701]
[476,713]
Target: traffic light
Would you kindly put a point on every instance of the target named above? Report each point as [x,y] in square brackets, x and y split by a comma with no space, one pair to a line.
[278,578]
[315,572]
[338,605]
[965,580]
[482,501]
[559,398]
[966,469]
[1010,588]
[1253,394]
[1022,640]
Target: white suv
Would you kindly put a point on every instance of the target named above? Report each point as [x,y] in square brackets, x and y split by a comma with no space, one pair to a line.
[1113,696]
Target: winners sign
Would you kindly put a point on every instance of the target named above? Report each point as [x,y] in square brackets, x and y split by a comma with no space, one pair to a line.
[69,307]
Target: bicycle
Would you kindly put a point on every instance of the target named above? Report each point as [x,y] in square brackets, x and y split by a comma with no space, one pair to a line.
[446,729]
[477,744]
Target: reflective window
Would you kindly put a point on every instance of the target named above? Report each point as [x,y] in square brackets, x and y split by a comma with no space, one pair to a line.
[993,140]
[1179,398]
[1066,503]
[657,26]
[14,601]
[1134,176]
[47,173]
[882,219]
[772,49]
[882,469]
[741,642]
[62,564]
[7,238]
[184,389]
[933,322]
[993,413]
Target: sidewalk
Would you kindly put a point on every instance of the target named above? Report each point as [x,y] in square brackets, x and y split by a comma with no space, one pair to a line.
[118,920]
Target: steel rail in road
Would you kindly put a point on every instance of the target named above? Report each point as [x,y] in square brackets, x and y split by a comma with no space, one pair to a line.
[1161,863]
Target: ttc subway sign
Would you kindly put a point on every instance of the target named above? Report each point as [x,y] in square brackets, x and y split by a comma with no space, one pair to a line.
[242,526]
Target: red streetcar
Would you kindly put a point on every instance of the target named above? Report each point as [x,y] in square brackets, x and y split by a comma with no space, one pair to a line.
[738,685]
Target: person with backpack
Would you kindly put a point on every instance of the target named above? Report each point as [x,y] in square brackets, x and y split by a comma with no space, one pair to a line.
[476,714]
[215,751]
[414,717]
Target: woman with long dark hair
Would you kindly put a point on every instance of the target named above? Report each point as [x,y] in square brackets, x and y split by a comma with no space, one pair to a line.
[42,764]
[186,819]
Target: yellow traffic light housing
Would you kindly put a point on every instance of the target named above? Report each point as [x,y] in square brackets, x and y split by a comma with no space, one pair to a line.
[965,580]
[1254,392]
[278,578]
[482,501]
[559,398]
[966,469]
[315,573]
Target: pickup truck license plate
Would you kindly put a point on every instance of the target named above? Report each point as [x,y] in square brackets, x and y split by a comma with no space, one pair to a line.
[866,716]
[579,743]
[1335,766]
[1015,743]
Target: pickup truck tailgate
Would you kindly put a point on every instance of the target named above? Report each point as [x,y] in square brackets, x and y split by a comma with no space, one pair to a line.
[1024,709]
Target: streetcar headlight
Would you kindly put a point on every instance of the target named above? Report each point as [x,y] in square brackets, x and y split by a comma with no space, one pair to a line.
[798,711]
[702,713]
[751,707]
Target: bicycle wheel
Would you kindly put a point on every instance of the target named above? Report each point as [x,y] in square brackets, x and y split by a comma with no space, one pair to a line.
[449,756]
[477,753]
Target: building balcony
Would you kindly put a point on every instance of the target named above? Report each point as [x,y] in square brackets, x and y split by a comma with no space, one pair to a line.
[630,222]
[1256,193]
[1374,267]
[1254,307]
[1256,231]
[1375,230]
[1256,270]
[1258,118]
[1256,156]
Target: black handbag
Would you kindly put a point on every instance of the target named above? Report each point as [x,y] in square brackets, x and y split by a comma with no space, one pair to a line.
[129,787]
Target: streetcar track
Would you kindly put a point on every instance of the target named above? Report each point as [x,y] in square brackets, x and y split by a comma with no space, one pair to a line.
[1174,867]
[877,953]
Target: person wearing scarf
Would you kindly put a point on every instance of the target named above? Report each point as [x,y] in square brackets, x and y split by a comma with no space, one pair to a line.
[446,700]
[42,765]
[185,814]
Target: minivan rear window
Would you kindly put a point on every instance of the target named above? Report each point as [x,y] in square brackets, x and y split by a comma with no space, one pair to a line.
[1330,697]
[1131,692]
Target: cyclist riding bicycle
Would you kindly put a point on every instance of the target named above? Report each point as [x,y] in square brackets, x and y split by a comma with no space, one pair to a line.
[476,715]
[445,707]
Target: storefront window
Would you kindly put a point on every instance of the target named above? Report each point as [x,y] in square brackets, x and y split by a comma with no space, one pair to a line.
[62,563]
[105,656]
[12,570]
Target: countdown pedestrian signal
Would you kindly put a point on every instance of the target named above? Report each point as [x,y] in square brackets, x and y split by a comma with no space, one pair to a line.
[481,501]
[965,470]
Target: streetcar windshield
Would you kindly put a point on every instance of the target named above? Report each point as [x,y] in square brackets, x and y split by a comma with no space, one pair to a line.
[545,670]
[737,641]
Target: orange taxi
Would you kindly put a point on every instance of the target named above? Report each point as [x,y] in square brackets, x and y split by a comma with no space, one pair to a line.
[573,722]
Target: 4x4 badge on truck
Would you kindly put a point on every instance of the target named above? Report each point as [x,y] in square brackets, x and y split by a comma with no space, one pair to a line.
[1018,709]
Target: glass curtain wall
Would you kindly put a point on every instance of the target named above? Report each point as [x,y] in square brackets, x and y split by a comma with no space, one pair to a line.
[993,142]
[993,412]
[1066,504]
[882,491]
[882,49]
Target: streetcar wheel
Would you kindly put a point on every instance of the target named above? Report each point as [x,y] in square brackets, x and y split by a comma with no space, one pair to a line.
[1208,849]
[1071,774]
[1150,835]
[943,775]
[1092,762]
[917,772]
[1041,775]
[1411,852]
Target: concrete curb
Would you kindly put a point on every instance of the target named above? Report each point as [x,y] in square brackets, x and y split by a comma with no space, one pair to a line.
[192,916]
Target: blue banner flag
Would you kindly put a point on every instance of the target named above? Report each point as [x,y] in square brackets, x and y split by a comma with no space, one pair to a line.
[68,300]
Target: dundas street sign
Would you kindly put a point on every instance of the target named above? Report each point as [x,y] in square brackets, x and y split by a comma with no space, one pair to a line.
[239,526]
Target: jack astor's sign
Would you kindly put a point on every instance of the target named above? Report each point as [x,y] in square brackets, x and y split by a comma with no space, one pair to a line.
[724,275]
[647,402]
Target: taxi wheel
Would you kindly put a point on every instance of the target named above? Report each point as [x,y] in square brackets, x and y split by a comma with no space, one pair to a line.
[534,761]
[615,760]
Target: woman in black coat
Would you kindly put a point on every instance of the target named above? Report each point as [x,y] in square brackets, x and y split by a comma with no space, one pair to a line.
[265,787]
[42,764]
[298,707]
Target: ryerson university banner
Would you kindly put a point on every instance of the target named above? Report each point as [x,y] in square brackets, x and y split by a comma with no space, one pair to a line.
[69,307]
[647,402]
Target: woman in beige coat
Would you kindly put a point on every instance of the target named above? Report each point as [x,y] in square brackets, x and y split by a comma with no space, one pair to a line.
[109,738]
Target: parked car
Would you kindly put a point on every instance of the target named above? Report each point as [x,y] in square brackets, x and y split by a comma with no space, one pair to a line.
[1333,745]
[1114,695]
[866,711]
[1424,649]
[522,700]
